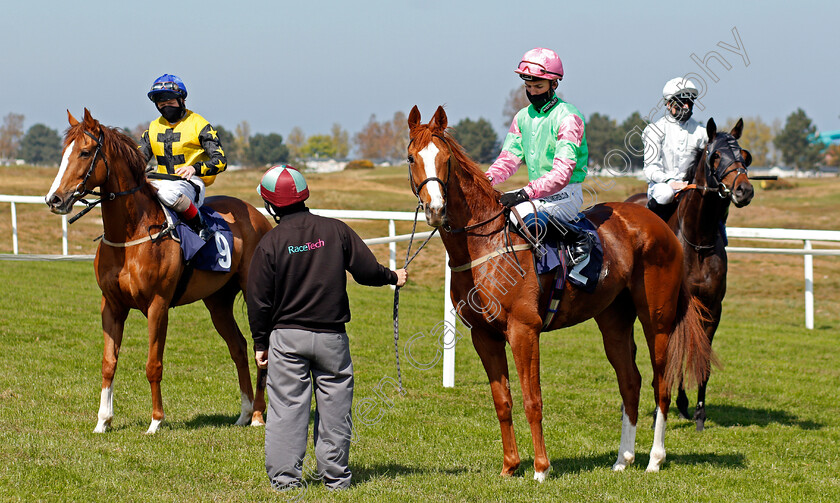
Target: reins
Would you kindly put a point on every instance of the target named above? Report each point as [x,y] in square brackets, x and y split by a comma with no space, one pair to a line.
[408,259]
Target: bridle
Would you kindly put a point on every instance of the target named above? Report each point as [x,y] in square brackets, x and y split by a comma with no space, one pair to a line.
[444,184]
[729,156]
[730,153]
[82,191]
[416,188]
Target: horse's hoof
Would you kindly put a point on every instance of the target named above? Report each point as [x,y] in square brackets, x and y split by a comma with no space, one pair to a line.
[257,419]
[682,415]
[509,471]
[244,418]
[701,425]
[541,476]
[656,461]
[102,426]
[153,427]
[623,461]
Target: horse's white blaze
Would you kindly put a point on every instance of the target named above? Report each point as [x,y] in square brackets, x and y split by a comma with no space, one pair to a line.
[541,476]
[247,411]
[627,447]
[657,452]
[65,160]
[428,155]
[106,409]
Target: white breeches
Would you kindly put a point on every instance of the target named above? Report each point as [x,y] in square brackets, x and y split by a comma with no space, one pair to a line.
[170,190]
[564,205]
[661,192]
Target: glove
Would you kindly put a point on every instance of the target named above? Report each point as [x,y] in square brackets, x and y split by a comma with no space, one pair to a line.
[511,199]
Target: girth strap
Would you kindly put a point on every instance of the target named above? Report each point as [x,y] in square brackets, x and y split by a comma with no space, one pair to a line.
[479,261]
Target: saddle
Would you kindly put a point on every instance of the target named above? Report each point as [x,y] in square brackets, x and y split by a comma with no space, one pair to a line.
[549,254]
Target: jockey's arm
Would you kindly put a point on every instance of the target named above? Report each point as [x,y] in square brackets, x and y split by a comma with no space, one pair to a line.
[213,148]
[145,146]
[509,159]
[654,166]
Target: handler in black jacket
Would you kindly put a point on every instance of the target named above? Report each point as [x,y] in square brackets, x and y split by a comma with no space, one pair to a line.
[297,308]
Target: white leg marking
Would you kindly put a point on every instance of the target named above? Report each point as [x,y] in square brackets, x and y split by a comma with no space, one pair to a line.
[247,411]
[153,427]
[627,446]
[65,160]
[106,410]
[657,453]
[428,155]
[541,476]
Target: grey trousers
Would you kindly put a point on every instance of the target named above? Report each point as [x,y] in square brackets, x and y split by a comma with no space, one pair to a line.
[296,360]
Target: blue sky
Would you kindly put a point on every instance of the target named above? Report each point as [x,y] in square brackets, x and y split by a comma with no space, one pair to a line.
[310,64]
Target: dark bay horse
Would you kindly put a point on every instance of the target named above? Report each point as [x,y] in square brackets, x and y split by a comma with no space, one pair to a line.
[717,177]
[503,300]
[135,272]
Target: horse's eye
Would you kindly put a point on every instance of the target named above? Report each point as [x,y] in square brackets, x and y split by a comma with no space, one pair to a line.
[411,159]
[84,153]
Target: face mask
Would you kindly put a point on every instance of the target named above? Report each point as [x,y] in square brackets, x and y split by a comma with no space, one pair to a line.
[683,113]
[172,114]
[540,101]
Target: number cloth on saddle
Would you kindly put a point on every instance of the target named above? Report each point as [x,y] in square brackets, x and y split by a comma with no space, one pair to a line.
[213,255]
[550,254]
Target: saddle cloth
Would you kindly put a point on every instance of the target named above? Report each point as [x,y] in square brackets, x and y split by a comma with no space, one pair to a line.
[213,255]
[584,275]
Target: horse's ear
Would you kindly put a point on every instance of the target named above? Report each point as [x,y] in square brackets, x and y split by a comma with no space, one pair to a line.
[72,120]
[439,119]
[738,129]
[413,118]
[711,129]
[91,124]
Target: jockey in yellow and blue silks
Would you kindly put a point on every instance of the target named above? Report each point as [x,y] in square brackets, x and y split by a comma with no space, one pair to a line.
[549,136]
[185,145]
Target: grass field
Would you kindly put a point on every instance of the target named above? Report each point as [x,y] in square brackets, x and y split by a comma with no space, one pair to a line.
[773,432]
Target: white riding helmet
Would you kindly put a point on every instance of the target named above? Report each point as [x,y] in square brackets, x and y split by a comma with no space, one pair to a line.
[679,87]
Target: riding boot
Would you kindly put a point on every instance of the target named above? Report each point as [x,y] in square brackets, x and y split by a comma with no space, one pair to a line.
[578,242]
[664,211]
[199,226]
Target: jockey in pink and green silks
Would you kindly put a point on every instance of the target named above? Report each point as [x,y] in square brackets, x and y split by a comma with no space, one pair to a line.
[549,136]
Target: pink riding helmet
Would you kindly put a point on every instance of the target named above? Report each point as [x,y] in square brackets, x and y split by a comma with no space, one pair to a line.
[540,63]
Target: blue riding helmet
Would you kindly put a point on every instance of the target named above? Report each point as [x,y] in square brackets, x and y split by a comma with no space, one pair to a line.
[167,87]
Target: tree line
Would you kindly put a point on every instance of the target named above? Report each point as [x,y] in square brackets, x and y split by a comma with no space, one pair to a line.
[792,144]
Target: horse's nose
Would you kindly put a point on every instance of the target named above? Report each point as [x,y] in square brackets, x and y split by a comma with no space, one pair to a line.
[435,218]
[52,200]
[743,194]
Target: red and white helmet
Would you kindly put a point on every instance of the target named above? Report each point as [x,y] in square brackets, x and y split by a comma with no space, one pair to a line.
[283,186]
[540,63]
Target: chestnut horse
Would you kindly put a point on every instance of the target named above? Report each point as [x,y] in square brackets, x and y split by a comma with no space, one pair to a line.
[503,302]
[136,272]
[717,176]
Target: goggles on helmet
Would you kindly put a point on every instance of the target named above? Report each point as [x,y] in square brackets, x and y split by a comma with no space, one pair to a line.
[535,71]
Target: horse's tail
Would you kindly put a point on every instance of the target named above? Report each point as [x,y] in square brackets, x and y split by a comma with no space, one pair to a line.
[690,355]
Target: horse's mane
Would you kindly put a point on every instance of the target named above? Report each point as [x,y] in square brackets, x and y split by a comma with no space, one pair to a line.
[116,143]
[692,165]
[423,135]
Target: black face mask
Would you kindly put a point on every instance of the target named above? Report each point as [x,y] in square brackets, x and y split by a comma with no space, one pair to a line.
[683,113]
[172,114]
[542,102]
